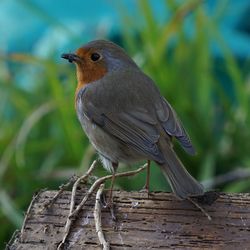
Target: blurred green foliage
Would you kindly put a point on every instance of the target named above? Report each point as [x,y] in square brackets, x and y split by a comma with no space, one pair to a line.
[42,143]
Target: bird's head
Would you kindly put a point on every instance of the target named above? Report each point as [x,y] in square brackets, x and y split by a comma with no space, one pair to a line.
[98,58]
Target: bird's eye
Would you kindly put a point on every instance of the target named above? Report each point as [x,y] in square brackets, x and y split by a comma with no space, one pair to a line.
[95,57]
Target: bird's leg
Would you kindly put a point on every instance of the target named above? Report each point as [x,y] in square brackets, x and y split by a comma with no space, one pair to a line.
[146,186]
[110,204]
[110,200]
[147,177]
[111,188]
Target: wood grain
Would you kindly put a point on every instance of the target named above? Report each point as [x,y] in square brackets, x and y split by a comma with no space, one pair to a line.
[158,222]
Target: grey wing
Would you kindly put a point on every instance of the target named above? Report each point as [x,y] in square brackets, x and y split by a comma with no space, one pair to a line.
[136,129]
[172,125]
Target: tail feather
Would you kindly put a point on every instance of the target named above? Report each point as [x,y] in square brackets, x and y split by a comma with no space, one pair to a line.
[181,182]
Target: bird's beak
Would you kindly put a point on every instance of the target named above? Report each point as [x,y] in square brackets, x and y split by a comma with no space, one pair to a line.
[71,57]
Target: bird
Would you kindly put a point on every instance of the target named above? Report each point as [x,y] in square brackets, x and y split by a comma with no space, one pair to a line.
[126,118]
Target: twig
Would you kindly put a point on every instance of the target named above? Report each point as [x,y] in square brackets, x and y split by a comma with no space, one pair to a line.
[97,183]
[34,198]
[14,238]
[72,203]
[62,188]
[73,196]
[200,208]
[235,175]
[98,219]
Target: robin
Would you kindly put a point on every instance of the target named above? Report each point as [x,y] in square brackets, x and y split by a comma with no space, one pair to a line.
[126,118]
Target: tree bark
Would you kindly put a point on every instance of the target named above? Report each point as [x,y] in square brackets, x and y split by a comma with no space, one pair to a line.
[158,222]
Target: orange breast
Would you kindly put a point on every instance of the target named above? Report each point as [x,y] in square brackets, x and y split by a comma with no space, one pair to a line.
[88,74]
[88,71]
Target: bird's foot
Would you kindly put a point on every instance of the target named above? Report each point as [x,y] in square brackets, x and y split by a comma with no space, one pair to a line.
[145,189]
[108,204]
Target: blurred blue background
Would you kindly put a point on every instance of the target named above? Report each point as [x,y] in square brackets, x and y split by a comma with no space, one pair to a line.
[197,52]
[44,28]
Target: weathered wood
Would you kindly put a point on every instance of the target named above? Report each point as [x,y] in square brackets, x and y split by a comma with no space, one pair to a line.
[158,222]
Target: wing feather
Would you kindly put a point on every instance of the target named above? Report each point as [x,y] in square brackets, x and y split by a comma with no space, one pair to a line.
[172,125]
[136,131]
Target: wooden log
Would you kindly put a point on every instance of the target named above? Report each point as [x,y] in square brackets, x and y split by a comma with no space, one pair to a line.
[158,222]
